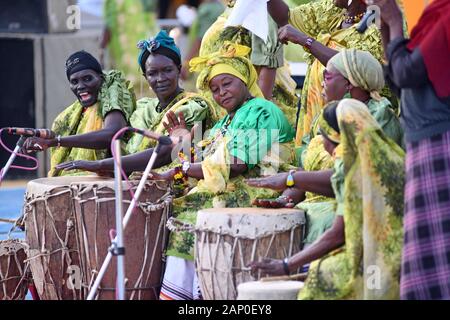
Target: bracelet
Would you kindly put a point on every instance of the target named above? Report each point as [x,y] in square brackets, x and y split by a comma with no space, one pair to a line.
[308,44]
[58,139]
[286,266]
[290,182]
[185,167]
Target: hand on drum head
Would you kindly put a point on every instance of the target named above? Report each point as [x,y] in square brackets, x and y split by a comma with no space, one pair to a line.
[267,266]
[168,175]
[280,202]
[276,182]
[92,166]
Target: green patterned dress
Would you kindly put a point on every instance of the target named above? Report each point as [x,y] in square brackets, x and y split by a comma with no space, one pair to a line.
[320,211]
[218,189]
[129,21]
[368,183]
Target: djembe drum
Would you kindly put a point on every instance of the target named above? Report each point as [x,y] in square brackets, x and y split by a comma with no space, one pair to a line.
[53,255]
[228,239]
[13,272]
[145,237]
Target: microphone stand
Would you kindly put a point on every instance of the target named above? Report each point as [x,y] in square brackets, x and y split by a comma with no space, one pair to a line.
[163,140]
[19,145]
[117,247]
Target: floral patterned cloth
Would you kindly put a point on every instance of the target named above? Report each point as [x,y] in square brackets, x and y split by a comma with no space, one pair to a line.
[368,182]
[322,21]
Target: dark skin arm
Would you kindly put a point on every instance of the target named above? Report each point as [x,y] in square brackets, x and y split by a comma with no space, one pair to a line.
[279,11]
[266,80]
[391,21]
[318,182]
[134,162]
[101,139]
[322,53]
[331,240]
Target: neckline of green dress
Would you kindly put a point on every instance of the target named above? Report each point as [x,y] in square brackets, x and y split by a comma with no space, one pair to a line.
[177,98]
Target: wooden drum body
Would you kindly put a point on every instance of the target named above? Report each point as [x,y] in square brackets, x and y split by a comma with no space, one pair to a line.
[13,272]
[145,237]
[50,234]
[228,239]
[68,222]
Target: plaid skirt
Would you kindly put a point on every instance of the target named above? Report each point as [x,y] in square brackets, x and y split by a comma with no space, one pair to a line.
[426,252]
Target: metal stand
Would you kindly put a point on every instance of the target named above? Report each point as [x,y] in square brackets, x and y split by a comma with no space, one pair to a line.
[117,247]
[127,217]
[19,145]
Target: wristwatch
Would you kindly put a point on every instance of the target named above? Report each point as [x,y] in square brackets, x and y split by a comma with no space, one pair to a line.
[286,266]
[308,44]
[185,167]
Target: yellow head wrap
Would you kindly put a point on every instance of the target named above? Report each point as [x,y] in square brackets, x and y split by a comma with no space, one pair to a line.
[230,59]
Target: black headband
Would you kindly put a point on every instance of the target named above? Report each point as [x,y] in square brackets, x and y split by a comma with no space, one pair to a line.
[82,60]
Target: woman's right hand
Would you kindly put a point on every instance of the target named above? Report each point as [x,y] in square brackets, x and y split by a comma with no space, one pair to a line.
[35,144]
[288,33]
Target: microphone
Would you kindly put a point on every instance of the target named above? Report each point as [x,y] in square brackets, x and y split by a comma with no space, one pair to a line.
[366,20]
[29,132]
[163,140]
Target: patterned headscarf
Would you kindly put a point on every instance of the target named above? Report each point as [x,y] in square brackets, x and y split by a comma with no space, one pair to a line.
[230,59]
[361,69]
[162,44]
[328,131]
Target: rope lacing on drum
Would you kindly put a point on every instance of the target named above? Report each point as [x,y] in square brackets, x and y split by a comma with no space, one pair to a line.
[175,225]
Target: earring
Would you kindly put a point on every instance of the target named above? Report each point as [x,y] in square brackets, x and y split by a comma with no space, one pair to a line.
[349,3]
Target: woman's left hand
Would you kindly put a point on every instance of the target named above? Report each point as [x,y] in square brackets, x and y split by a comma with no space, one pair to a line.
[91,166]
[276,182]
[269,267]
[288,33]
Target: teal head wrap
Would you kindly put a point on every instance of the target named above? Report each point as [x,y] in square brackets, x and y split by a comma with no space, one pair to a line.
[161,44]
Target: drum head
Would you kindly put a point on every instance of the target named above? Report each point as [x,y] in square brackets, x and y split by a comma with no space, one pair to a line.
[269,290]
[41,186]
[248,222]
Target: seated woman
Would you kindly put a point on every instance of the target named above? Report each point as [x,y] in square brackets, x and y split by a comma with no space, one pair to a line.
[236,147]
[85,129]
[359,257]
[160,61]
[349,74]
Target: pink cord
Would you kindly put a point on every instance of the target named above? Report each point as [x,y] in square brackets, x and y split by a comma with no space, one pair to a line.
[113,148]
[18,155]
